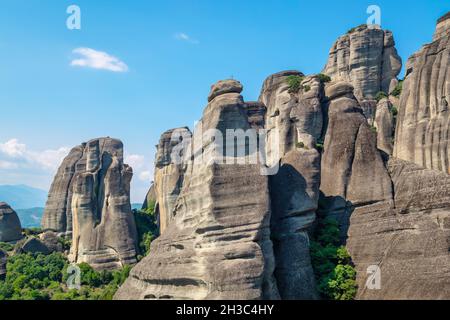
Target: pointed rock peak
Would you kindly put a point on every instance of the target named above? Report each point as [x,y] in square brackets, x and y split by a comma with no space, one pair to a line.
[223,87]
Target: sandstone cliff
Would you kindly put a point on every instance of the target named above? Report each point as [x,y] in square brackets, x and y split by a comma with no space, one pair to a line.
[231,232]
[10,228]
[169,174]
[367,59]
[423,124]
[218,244]
[90,198]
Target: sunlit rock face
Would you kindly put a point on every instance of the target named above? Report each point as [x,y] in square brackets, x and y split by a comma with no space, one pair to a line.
[90,199]
[424,118]
[217,245]
[296,120]
[169,174]
[366,58]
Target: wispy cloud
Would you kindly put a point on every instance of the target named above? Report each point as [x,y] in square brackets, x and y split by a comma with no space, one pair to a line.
[90,58]
[21,165]
[16,155]
[181,36]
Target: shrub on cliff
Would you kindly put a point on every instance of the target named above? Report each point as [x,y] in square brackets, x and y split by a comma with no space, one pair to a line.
[335,274]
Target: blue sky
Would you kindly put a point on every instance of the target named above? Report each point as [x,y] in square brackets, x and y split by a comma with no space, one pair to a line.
[173,51]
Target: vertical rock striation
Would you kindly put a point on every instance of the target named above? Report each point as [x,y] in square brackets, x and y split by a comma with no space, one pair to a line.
[296,118]
[218,245]
[90,199]
[422,134]
[10,227]
[367,59]
[169,174]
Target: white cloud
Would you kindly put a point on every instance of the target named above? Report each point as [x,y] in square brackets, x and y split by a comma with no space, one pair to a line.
[181,36]
[145,176]
[136,161]
[90,58]
[16,155]
[13,148]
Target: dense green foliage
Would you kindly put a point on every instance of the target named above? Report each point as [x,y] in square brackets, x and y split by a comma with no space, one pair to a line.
[335,274]
[324,78]
[295,83]
[40,277]
[380,96]
[398,89]
[146,223]
[6,246]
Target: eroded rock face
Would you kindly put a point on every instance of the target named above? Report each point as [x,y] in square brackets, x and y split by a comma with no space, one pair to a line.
[384,123]
[424,118]
[90,199]
[367,59]
[352,167]
[409,242]
[218,245]
[10,227]
[104,231]
[296,117]
[169,174]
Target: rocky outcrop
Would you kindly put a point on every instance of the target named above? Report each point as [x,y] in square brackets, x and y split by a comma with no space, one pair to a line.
[353,170]
[218,244]
[384,124]
[366,58]
[296,118]
[422,134]
[90,199]
[409,242]
[104,230]
[169,173]
[10,228]
[34,246]
[51,240]
[149,198]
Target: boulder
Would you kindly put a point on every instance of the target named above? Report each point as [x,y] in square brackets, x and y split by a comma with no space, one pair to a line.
[223,87]
[52,241]
[423,114]
[10,228]
[33,245]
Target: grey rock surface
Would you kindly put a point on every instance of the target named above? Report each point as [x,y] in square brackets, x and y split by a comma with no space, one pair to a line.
[367,59]
[352,167]
[10,228]
[297,119]
[104,230]
[423,119]
[218,245]
[384,123]
[33,245]
[409,242]
[169,173]
[90,200]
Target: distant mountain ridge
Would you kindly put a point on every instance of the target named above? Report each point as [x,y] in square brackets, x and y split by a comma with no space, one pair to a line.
[23,196]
